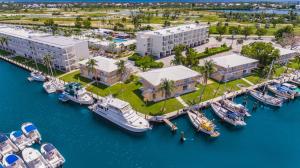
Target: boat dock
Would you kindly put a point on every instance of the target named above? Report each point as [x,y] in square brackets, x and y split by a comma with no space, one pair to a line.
[170,124]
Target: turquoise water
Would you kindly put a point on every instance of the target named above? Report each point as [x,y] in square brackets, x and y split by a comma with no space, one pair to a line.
[118,40]
[271,138]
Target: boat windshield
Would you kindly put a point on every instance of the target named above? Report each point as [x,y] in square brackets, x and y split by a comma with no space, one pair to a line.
[125,109]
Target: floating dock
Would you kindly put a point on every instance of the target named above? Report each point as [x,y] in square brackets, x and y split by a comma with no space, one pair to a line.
[170,124]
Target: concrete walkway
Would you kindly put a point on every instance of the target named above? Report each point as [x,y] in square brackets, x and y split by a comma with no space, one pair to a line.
[67,73]
[182,101]
[89,84]
[250,83]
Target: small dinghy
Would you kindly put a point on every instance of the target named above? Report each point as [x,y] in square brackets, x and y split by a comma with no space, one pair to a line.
[36,76]
[238,108]
[31,132]
[53,86]
[266,99]
[7,146]
[34,159]
[13,161]
[203,124]
[19,139]
[228,116]
[52,155]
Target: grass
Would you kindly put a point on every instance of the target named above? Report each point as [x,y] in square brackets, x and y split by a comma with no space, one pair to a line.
[254,79]
[130,92]
[75,77]
[41,67]
[209,93]
[4,53]
[293,64]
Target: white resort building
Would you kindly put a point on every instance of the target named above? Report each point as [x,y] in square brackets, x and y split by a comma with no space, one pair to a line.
[160,43]
[106,71]
[285,55]
[233,66]
[66,52]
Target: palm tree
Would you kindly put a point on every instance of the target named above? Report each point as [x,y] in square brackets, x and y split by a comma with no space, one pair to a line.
[206,70]
[91,67]
[121,68]
[167,87]
[47,60]
[3,40]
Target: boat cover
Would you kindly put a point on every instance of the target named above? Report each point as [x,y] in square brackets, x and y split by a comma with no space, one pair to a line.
[231,115]
[48,147]
[17,134]
[3,138]
[11,159]
[30,128]
[1,166]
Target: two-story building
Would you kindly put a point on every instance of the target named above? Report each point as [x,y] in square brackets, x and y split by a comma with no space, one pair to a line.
[233,66]
[105,71]
[184,79]
[285,55]
[160,43]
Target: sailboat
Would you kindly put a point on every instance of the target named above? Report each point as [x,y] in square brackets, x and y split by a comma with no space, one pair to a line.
[232,106]
[203,124]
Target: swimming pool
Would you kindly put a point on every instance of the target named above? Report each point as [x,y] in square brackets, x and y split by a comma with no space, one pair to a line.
[119,40]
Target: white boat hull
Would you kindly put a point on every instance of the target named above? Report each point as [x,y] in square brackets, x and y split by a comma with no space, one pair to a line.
[264,100]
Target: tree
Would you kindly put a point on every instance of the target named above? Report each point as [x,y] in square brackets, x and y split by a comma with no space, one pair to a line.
[297,59]
[221,29]
[288,39]
[247,31]
[78,23]
[49,22]
[234,30]
[121,68]
[3,41]
[87,24]
[264,52]
[260,32]
[167,87]
[136,21]
[206,70]
[91,67]
[166,23]
[47,61]
[285,30]
[191,59]
[178,58]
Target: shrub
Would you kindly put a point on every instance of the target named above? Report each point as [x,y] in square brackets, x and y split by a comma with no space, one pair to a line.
[134,57]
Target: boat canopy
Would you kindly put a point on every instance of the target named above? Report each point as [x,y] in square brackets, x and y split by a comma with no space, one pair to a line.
[231,115]
[30,128]
[48,147]
[17,134]
[11,159]
[3,138]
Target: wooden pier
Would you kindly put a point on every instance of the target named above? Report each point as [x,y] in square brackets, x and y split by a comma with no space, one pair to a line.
[170,124]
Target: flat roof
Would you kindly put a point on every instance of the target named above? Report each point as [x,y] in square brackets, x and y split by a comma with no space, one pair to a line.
[103,64]
[58,41]
[232,60]
[174,73]
[177,29]
[284,51]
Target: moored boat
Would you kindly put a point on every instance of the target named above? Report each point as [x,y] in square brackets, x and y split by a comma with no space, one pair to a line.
[238,108]
[34,159]
[203,124]
[31,132]
[266,99]
[37,76]
[228,116]
[19,139]
[291,88]
[281,92]
[52,155]
[76,93]
[53,86]
[120,113]
[7,146]
[13,161]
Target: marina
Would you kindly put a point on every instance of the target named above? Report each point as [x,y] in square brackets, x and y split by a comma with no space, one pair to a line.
[65,118]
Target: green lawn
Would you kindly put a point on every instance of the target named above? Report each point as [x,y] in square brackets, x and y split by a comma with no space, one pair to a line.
[75,77]
[209,93]
[31,63]
[130,92]
[254,79]
[4,53]
[293,64]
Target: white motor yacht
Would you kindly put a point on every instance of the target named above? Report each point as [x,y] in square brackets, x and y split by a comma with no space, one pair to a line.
[267,99]
[7,146]
[120,113]
[13,161]
[77,94]
[31,132]
[37,76]
[20,140]
[53,86]
[52,155]
[34,159]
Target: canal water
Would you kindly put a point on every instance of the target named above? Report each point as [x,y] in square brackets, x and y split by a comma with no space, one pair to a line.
[271,138]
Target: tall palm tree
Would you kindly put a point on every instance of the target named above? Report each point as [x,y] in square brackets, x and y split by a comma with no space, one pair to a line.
[121,68]
[91,64]
[206,70]
[167,87]
[47,60]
